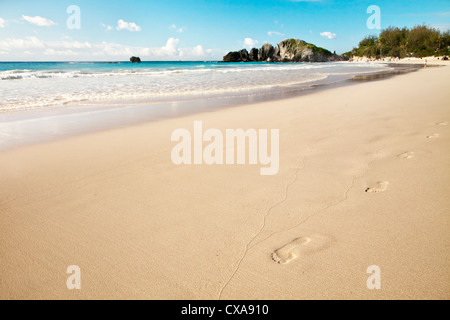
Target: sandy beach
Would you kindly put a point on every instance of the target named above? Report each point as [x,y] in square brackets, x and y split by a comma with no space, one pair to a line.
[364,180]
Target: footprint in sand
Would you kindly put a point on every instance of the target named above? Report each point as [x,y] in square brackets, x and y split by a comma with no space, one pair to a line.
[287,253]
[442,123]
[433,136]
[381,187]
[406,155]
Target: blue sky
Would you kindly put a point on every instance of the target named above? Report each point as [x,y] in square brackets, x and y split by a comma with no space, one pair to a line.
[194,29]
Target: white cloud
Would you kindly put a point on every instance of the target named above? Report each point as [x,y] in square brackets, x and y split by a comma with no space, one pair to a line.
[196,51]
[174,27]
[39,21]
[171,52]
[130,26]
[2,23]
[53,52]
[70,44]
[248,42]
[107,49]
[107,27]
[328,35]
[32,48]
[274,33]
[27,43]
[442,26]
[170,49]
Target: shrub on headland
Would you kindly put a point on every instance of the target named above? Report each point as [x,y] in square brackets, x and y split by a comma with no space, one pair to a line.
[420,41]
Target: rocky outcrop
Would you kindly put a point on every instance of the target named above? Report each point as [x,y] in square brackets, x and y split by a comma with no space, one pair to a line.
[233,56]
[276,53]
[292,50]
[237,56]
[253,55]
[244,55]
[135,60]
[266,53]
[289,50]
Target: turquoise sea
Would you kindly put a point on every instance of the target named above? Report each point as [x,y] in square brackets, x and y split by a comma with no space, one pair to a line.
[32,85]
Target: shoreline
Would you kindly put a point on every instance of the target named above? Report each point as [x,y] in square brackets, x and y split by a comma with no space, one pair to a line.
[363,181]
[80,119]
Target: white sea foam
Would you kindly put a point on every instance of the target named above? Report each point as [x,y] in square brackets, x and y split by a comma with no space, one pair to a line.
[28,89]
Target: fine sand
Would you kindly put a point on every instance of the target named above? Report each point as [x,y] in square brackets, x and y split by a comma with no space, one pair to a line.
[421,61]
[364,180]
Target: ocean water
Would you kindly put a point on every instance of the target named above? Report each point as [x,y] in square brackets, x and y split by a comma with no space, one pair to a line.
[34,85]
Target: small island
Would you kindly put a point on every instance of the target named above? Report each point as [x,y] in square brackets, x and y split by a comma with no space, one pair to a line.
[288,50]
[135,60]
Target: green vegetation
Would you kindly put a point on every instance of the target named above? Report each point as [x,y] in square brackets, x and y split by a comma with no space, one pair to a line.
[293,43]
[420,41]
[319,50]
[296,46]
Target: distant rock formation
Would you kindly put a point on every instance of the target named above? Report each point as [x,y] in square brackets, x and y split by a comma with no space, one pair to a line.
[135,60]
[266,52]
[289,50]
[237,56]
[253,55]
[244,55]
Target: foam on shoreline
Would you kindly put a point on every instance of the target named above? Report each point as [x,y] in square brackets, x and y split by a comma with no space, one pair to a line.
[24,127]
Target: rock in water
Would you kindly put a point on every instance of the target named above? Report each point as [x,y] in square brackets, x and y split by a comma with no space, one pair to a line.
[266,53]
[233,56]
[289,50]
[237,56]
[253,55]
[292,50]
[244,55]
[135,60]
[276,54]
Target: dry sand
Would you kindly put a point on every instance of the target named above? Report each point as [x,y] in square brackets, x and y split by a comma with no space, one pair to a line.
[421,61]
[364,180]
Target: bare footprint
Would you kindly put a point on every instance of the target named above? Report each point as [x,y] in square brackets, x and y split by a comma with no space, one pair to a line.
[302,246]
[381,187]
[433,136]
[406,155]
[287,253]
[442,123]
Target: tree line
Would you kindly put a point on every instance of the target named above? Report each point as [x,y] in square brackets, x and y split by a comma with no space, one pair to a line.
[420,41]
